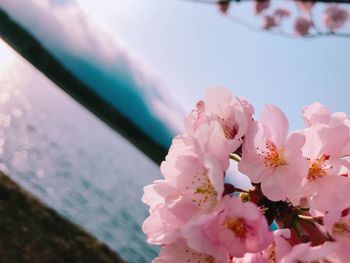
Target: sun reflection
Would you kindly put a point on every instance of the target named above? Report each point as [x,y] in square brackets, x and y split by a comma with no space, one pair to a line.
[6,55]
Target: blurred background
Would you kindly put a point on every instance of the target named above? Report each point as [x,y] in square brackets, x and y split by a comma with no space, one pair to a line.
[151,60]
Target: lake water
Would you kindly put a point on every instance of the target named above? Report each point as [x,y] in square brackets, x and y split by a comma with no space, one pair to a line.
[71,160]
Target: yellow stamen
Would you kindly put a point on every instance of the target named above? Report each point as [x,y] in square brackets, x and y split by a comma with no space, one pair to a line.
[318,168]
[273,157]
[237,226]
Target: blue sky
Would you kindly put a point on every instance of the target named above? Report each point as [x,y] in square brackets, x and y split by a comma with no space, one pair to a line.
[191,46]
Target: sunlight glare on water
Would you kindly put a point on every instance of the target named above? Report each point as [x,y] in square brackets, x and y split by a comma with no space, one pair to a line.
[71,160]
[6,55]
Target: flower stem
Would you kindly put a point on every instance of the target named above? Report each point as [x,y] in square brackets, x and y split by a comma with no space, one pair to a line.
[235,157]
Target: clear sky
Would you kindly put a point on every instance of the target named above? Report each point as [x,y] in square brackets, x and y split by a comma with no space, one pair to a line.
[191,46]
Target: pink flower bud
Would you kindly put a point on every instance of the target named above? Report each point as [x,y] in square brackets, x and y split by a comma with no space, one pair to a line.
[305,6]
[302,26]
[223,5]
[334,17]
[269,22]
[282,12]
[260,6]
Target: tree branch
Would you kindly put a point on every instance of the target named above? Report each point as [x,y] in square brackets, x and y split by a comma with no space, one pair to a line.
[214,2]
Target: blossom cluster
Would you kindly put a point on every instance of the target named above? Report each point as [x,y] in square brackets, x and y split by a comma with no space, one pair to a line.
[334,16]
[298,206]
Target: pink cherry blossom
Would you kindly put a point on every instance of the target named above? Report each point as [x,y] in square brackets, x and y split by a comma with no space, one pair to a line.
[194,182]
[282,12]
[220,105]
[324,198]
[279,247]
[305,6]
[196,117]
[250,258]
[260,5]
[337,224]
[272,157]
[302,26]
[233,227]
[249,109]
[192,160]
[316,113]
[327,154]
[233,114]
[304,252]
[169,210]
[282,251]
[334,17]
[299,179]
[269,22]
[156,194]
[210,139]
[181,252]
[223,6]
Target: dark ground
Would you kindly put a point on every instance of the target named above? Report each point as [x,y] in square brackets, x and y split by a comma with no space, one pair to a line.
[31,232]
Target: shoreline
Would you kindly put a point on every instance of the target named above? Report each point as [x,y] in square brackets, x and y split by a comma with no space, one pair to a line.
[32,232]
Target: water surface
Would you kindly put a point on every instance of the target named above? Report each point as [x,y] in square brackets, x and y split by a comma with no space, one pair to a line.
[71,160]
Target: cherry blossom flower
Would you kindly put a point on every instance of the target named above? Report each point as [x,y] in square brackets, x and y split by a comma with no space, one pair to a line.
[337,224]
[210,139]
[233,114]
[169,210]
[194,182]
[223,6]
[279,247]
[334,17]
[249,109]
[220,105]
[316,113]
[259,6]
[302,26]
[282,12]
[300,179]
[269,22]
[250,258]
[304,252]
[233,227]
[191,156]
[181,252]
[305,6]
[327,154]
[196,117]
[271,157]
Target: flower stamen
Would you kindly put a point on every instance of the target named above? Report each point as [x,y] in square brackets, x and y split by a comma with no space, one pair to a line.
[273,157]
[318,168]
[237,226]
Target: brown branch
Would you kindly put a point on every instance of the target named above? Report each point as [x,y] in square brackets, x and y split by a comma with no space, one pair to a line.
[214,2]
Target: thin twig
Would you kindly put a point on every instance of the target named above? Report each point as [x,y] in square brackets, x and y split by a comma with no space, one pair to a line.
[215,2]
[235,157]
[306,218]
[241,190]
